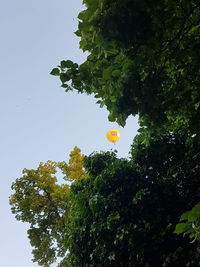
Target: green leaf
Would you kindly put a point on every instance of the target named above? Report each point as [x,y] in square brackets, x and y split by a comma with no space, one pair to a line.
[116,73]
[64,77]
[66,86]
[107,73]
[192,216]
[55,72]
[111,117]
[82,15]
[196,209]
[184,216]
[181,228]
[66,64]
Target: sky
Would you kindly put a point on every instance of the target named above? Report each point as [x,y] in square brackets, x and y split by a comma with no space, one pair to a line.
[39,121]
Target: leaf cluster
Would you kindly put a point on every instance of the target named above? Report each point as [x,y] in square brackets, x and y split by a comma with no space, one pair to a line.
[189,223]
[125,212]
[41,201]
[143,59]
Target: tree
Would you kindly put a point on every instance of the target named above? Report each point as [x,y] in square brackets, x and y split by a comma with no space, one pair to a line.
[180,159]
[145,62]
[124,214]
[44,204]
[120,212]
[39,200]
[143,59]
[74,170]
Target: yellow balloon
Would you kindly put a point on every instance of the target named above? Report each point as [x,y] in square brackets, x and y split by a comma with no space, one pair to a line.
[113,135]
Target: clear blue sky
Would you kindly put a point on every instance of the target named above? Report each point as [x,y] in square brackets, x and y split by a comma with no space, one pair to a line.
[39,121]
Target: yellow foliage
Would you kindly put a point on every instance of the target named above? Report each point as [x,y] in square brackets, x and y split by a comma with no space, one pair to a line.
[39,200]
[74,169]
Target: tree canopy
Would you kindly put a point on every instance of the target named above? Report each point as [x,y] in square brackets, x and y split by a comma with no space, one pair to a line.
[125,213]
[44,204]
[40,200]
[143,59]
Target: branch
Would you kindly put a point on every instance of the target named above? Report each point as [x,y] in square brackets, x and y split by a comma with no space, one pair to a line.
[52,203]
[182,26]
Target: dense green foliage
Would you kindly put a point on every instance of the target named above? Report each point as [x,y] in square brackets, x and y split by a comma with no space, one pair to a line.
[143,59]
[124,214]
[180,160]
